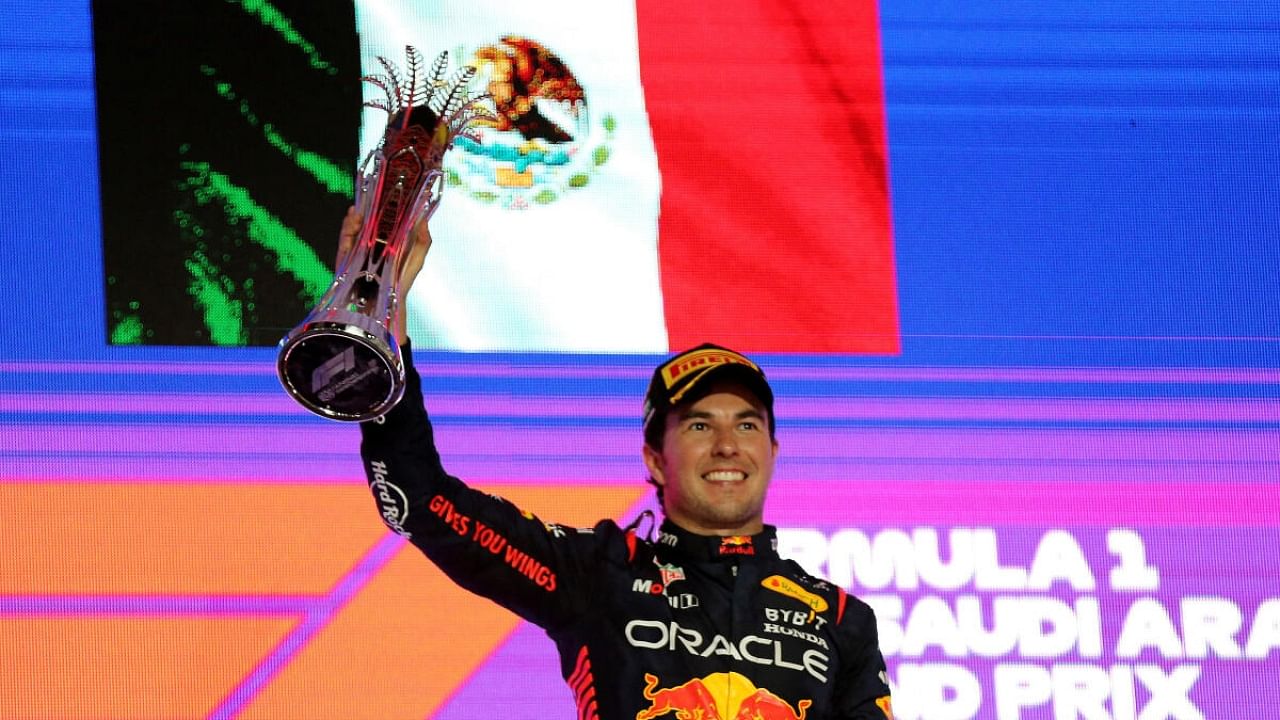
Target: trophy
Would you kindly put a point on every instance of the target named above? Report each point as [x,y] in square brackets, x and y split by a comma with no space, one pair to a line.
[343,361]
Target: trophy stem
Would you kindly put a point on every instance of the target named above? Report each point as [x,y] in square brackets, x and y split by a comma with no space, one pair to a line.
[343,361]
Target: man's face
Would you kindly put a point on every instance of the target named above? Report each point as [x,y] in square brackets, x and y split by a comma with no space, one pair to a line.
[716,462]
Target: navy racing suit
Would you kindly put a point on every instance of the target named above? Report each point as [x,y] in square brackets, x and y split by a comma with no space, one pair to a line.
[687,626]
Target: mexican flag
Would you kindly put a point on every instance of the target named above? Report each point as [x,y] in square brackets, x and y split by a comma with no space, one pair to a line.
[661,175]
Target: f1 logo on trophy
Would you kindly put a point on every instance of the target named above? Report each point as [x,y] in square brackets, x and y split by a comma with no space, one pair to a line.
[343,362]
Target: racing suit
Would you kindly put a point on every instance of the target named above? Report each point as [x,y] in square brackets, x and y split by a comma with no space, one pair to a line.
[687,626]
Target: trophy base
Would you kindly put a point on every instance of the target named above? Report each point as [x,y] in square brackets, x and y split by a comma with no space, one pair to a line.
[340,372]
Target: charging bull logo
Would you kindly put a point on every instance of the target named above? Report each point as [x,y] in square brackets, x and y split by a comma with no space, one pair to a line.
[718,696]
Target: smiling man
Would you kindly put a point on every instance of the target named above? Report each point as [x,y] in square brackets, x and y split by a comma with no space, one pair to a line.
[709,440]
[704,621]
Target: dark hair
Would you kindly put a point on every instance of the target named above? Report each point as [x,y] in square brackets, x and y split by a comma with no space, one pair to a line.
[653,436]
[654,431]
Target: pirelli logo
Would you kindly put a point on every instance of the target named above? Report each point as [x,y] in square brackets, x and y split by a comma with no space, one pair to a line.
[701,361]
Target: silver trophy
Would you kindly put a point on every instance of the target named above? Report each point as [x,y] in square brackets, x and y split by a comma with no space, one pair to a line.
[343,362]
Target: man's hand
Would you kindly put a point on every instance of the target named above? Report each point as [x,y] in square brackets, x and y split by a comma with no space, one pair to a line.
[410,263]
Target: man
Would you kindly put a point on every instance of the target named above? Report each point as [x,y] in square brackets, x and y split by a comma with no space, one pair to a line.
[705,622]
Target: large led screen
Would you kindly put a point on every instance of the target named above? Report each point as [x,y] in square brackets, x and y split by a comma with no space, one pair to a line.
[1011,270]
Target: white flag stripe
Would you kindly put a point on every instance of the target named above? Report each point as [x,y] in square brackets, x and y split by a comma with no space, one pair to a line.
[561,265]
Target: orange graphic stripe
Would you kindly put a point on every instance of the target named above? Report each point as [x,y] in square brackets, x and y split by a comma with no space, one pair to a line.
[399,649]
[125,668]
[411,638]
[160,538]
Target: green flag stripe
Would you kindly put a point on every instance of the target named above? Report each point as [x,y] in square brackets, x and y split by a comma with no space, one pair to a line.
[276,20]
[292,254]
[328,173]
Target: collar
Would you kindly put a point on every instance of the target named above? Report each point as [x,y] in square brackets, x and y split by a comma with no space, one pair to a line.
[675,541]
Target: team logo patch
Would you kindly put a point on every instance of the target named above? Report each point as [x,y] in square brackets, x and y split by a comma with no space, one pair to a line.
[718,696]
[737,545]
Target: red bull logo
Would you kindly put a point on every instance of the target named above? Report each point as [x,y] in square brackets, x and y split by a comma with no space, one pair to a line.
[718,696]
[737,545]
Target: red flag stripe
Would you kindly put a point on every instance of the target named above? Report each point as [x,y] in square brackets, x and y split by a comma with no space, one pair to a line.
[768,119]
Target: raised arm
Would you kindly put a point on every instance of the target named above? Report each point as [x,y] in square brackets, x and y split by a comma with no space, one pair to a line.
[482,542]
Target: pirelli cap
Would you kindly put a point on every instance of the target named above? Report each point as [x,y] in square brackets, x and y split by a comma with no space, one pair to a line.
[698,367]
